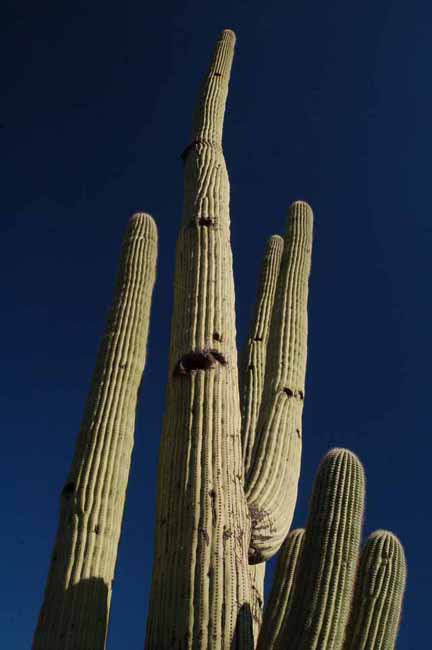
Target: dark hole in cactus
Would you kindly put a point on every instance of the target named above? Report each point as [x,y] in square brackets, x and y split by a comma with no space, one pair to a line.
[217,336]
[293,393]
[218,74]
[250,366]
[97,529]
[212,495]
[205,221]
[68,489]
[258,338]
[199,360]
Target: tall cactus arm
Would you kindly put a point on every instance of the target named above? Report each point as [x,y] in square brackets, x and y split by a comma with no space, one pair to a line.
[282,590]
[251,378]
[200,595]
[325,579]
[253,362]
[271,484]
[76,604]
[378,595]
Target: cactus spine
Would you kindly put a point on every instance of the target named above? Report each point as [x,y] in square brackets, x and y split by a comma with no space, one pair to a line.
[76,605]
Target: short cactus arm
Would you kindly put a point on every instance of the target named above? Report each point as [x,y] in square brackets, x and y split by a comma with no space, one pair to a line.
[378,595]
[282,590]
[326,573]
[271,483]
[77,597]
[200,594]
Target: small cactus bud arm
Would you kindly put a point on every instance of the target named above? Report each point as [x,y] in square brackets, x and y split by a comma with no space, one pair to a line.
[77,597]
[282,590]
[325,577]
[271,484]
[378,595]
[252,367]
[200,595]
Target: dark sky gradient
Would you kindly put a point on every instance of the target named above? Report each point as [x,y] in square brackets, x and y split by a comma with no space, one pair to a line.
[330,102]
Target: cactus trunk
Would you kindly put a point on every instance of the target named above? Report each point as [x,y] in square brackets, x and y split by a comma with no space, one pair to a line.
[200,570]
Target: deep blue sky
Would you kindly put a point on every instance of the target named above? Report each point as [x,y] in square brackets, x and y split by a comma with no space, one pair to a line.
[330,102]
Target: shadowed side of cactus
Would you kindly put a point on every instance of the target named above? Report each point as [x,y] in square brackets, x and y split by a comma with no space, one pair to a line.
[280,600]
[76,604]
[378,594]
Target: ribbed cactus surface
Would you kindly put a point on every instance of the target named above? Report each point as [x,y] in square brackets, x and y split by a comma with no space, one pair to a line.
[378,594]
[75,611]
[281,595]
[324,583]
[200,571]
[271,483]
[230,451]
[255,355]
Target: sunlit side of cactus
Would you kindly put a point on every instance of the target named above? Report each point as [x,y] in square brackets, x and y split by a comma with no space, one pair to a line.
[75,610]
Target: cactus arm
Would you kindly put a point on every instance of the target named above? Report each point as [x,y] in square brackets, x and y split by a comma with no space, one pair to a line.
[200,594]
[76,604]
[271,484]
[378,595]
[282,590]
[255,353]
[251,378]
[325,578]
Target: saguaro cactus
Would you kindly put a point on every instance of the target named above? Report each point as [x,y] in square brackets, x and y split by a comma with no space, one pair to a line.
[201,593]
[230,451]
[319,599]
[76,605]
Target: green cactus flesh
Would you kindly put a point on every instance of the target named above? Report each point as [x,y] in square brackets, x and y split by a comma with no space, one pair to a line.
[201,581]
[76,605]
[378,594]
[254,358]
[271,484]
[282,590]
[324,583]
[230,452]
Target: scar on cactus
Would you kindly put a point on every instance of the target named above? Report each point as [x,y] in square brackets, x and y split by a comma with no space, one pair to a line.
[68,489]
[293,393]
[198,360]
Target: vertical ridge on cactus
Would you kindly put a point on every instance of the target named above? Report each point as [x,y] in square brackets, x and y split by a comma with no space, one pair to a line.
[271,484]
[378,594]
[254,357]
[230,451]
[326,571]
[282,590]
[201,582]
[76,604]
[251,377]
